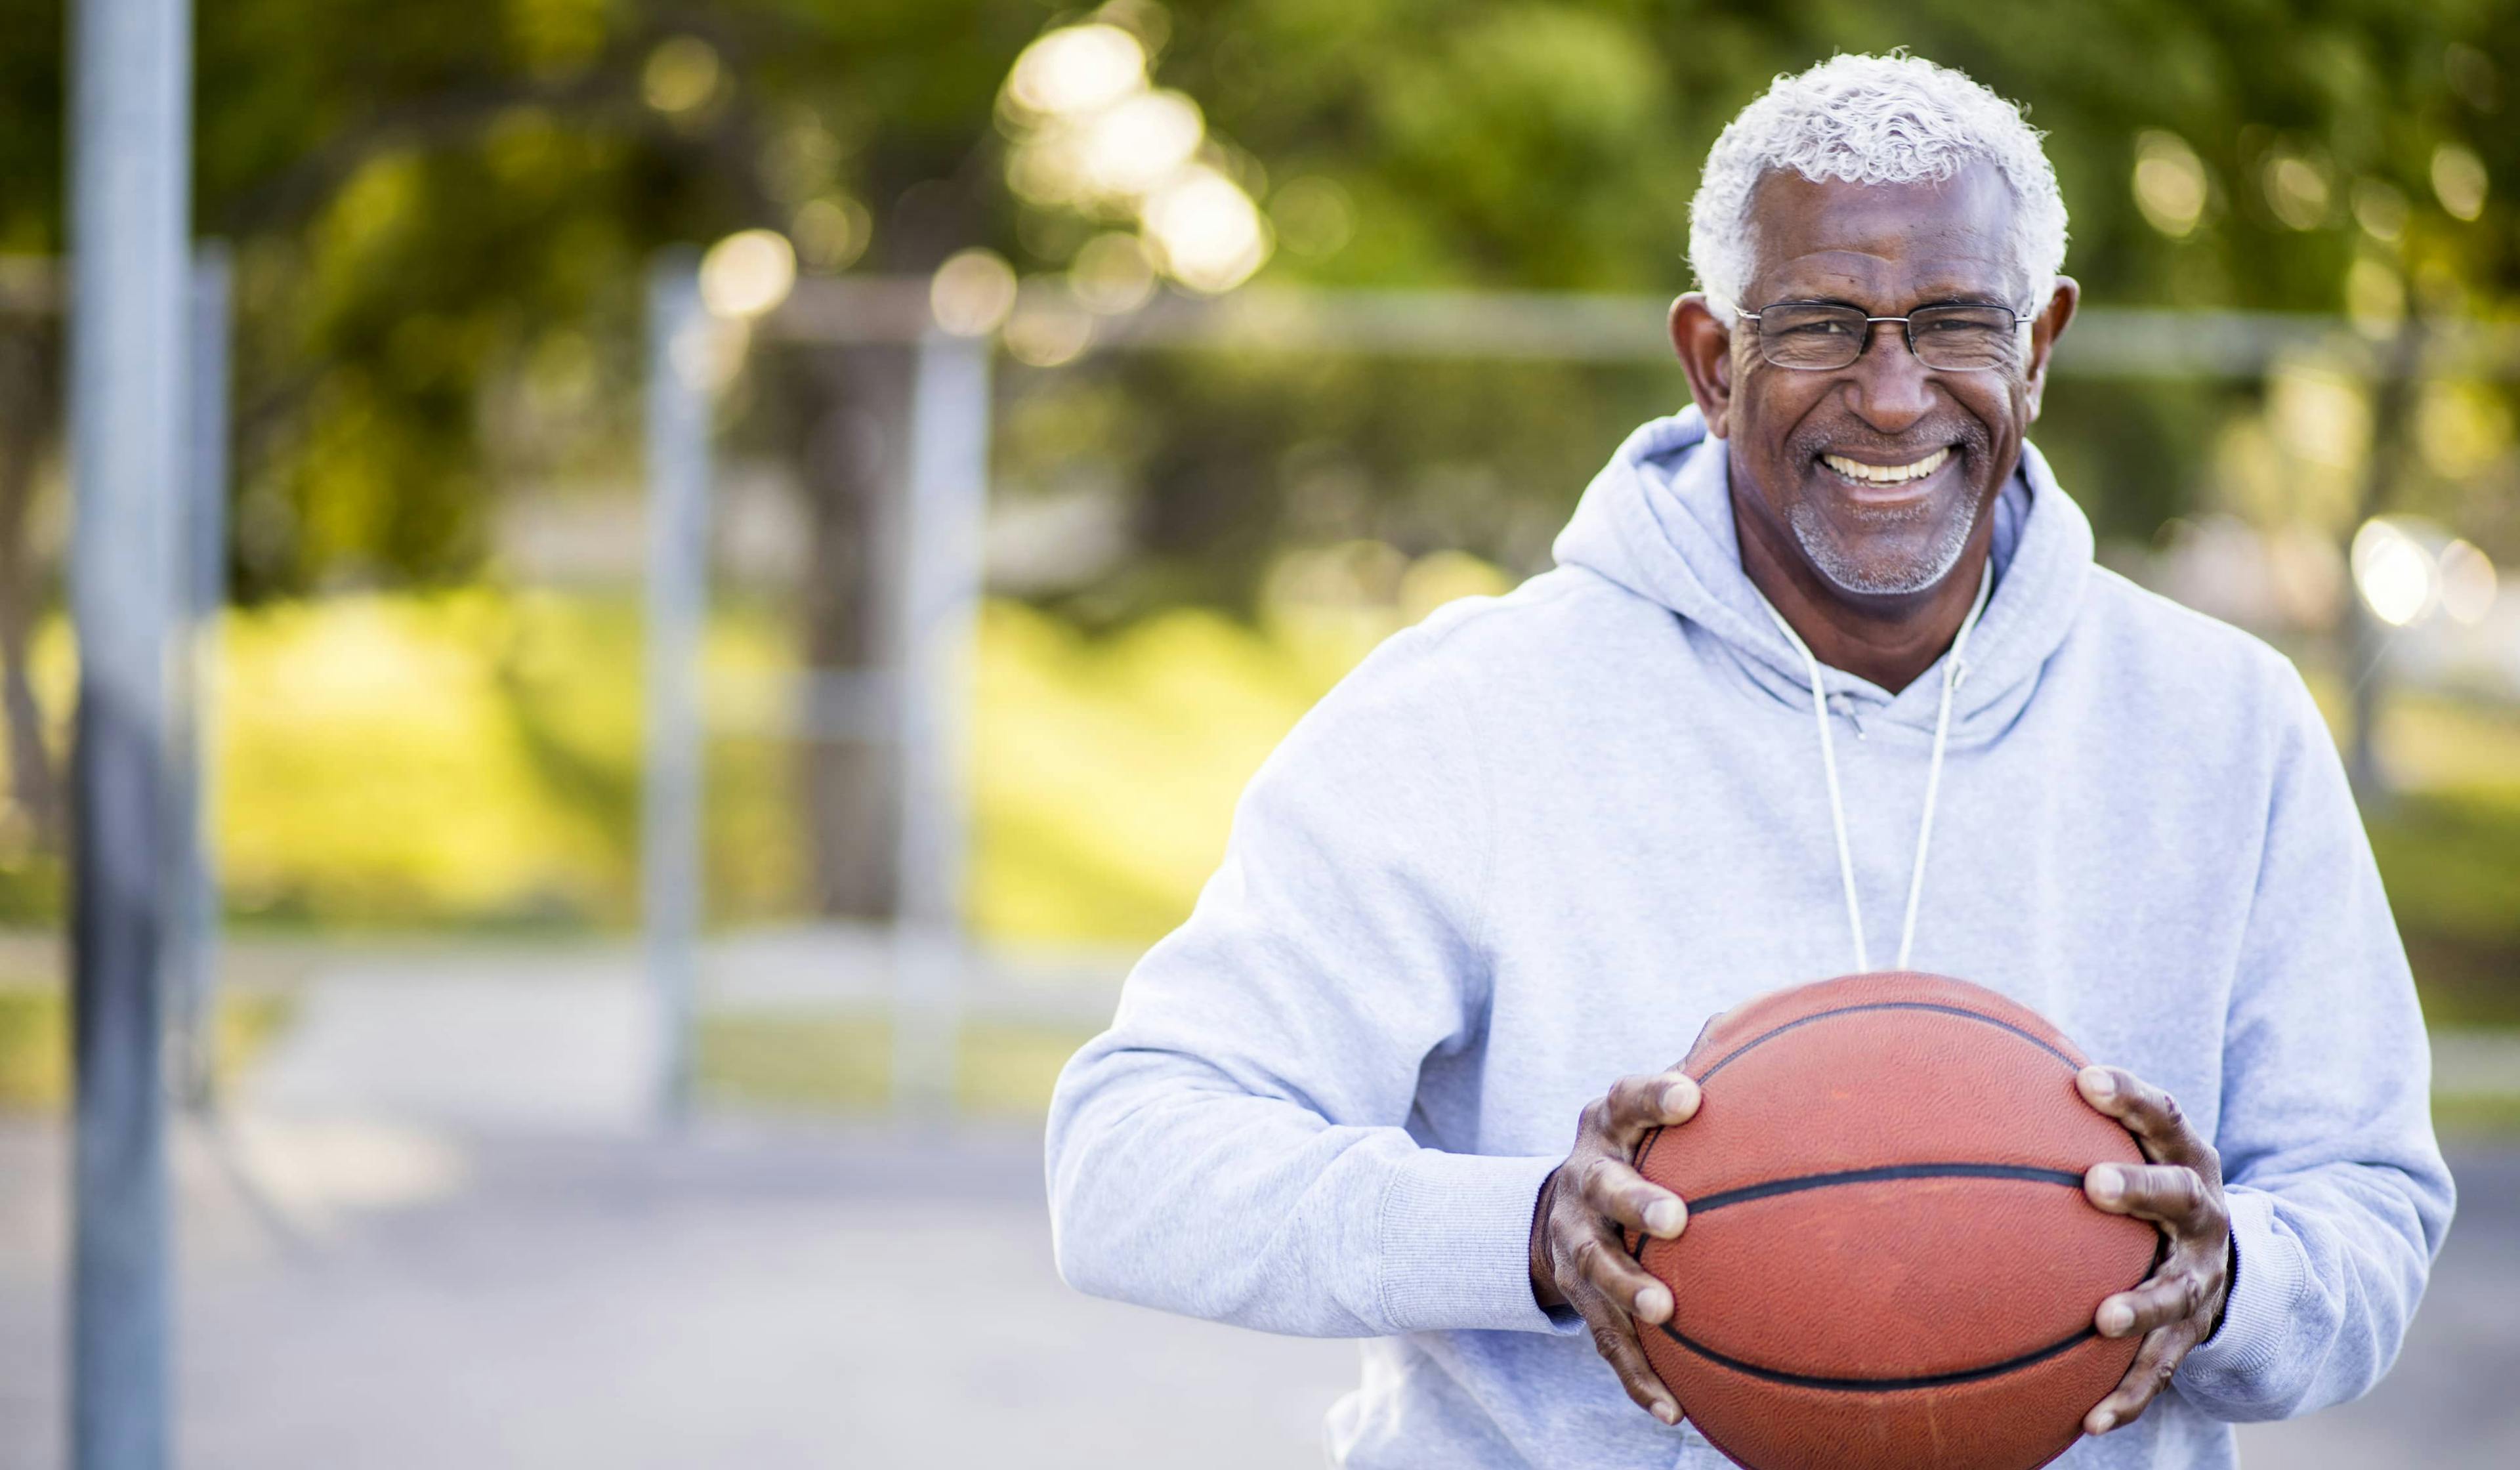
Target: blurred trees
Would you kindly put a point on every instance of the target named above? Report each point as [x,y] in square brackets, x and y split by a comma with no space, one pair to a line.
[441,200]
[441,210]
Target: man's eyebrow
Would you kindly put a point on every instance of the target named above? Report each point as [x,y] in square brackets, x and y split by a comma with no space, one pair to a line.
[1949,297]
[1819,302]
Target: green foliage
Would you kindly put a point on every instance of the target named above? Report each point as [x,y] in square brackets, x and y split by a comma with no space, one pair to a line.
[442,213]
[31,96]
[1233,458]
[424,204]
[426,196]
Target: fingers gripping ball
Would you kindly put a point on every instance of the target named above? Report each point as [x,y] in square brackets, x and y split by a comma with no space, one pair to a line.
[1889,1258]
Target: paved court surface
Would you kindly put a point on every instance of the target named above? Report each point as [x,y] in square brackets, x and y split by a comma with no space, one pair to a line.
[777,1296]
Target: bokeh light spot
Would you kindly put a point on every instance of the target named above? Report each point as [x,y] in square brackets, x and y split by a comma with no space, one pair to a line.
[747,273]
[2394,572]
[1077,68]
[972,293]
[2169,185]
[2297,190]
[831,233]
[1048,330]
[2459,181]
[1209,233]
[1112,274]
[2468,584]
[680,75]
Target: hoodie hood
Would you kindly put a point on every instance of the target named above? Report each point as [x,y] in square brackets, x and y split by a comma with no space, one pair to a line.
[1657,521]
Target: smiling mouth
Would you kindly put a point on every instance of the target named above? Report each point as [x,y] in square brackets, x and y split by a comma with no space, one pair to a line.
[1862,473]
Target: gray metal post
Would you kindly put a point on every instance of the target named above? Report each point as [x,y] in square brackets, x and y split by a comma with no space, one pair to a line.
[130,74]
[679,347]
[948,502]
[201,581]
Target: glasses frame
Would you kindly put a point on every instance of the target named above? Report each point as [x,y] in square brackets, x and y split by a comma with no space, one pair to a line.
[1907,332]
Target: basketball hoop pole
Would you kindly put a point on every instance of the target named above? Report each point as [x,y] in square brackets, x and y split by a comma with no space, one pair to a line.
[948,503]
[679,400]
[130,216]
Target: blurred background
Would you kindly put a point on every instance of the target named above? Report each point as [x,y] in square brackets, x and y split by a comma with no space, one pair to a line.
[745,549]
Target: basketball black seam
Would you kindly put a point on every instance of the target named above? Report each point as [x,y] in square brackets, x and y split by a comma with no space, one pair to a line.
[2042,1043]
[1879,1385]
[1802,1182]
[1952,1171]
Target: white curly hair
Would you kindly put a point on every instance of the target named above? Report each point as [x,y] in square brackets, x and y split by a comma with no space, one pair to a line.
[1871,119]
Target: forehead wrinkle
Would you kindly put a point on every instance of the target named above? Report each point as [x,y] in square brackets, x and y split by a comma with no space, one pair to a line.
[1883,285]
[1953,235]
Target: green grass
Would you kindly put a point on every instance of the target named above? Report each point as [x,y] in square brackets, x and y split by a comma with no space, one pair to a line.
[35,1053]
[467,762]
[2475,1116]
[843,1064]
[2448,849]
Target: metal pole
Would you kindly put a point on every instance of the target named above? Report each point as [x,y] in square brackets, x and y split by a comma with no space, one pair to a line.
[680,342]
[200,580]
[948,502]
[2400,368]
[130,71]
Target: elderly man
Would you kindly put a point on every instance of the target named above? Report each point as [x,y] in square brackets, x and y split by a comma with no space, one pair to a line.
[1837,608]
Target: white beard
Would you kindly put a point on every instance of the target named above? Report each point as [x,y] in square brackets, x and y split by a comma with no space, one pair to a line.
[1812,531]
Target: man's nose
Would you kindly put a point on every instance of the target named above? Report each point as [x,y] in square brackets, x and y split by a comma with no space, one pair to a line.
[1890,389]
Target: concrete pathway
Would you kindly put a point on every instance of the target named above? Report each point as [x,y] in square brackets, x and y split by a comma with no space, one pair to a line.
[570,1040]
[541,1051]
[778,1298]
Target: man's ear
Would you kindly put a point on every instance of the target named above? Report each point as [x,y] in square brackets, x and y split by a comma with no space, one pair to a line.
[1704,344]
[2045,329]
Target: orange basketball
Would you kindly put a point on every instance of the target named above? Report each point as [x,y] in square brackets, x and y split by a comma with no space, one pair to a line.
[1889,1261]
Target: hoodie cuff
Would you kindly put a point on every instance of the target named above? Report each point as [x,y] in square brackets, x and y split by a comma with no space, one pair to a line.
[2251,1336]
[1455,1243]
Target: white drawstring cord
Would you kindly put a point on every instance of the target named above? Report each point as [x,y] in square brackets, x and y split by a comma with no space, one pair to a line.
[1836,807]
[1954,669]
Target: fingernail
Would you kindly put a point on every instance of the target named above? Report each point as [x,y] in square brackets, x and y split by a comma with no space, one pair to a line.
[1679,1097]
[2108,1182]
[2115,1318]
[2102,1421]
[2100,1084]
[1654,1304]
[1667,1412]
[1664,1218]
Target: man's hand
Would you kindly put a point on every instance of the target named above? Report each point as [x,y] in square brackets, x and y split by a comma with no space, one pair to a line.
[1579,1258]
[2181,1191]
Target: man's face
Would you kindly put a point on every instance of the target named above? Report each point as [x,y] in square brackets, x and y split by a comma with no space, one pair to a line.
[1879,472]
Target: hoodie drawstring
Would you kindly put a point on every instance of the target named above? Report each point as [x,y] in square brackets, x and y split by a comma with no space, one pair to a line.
[1954,669]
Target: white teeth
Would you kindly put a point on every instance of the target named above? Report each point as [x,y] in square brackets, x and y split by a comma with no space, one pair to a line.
[1886,474]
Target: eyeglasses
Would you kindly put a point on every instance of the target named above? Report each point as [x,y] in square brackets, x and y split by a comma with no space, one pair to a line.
[1822,337]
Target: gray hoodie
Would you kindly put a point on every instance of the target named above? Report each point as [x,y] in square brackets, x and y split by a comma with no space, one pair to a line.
[1533,843]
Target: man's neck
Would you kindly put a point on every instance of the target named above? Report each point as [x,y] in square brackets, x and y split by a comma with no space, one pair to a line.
[1888,641]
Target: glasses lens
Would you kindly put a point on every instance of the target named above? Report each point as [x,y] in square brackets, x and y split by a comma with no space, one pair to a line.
[1964,338]
[1811,337]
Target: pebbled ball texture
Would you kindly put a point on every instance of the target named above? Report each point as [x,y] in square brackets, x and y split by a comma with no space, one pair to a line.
[1889,1261]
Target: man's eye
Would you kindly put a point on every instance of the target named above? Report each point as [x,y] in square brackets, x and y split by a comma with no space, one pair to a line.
[1817,328]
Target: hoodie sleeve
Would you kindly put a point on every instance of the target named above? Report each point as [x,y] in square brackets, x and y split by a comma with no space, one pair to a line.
[2338,1195]
[1235,1146]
